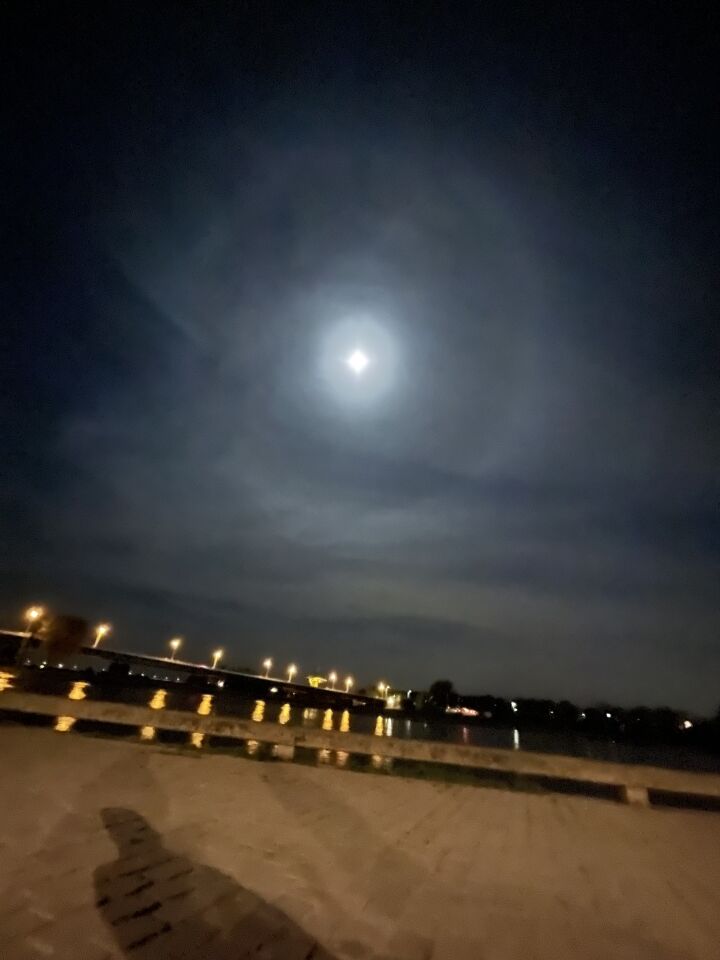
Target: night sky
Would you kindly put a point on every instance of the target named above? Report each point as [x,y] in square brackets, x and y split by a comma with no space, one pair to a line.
[207,207]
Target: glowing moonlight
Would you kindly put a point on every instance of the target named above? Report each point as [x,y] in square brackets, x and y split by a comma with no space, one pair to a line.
[357,361]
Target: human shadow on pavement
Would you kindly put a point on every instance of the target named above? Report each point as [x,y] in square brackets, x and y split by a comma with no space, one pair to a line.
[160,904]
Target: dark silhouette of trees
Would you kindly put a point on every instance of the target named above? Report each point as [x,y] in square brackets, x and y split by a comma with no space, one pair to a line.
[64,635]
[441,694]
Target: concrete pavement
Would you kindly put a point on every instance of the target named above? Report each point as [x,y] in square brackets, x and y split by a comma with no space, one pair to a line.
[110,849]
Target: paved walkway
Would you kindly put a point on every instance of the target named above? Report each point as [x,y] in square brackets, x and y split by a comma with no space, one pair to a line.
[111,849]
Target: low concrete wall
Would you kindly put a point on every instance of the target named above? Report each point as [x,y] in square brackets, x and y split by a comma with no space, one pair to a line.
[632,780]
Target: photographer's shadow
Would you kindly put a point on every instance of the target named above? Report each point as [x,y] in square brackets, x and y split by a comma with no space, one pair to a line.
[160,904]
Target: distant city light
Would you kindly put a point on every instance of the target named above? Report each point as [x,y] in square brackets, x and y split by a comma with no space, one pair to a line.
[267,664]
[513,704]
[348,683]
[291,671]
[686,724]
[175,645]
[609,716]
[332,677]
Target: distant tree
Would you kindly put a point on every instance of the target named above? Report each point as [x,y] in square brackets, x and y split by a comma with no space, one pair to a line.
[441,694]
[566,713]
[118,671]
[64,635]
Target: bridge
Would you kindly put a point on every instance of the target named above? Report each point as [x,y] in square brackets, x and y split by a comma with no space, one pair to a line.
[254,685]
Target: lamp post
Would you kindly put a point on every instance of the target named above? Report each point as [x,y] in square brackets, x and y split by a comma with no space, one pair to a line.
[267,664]
[348,684]
[382,687]
[292,670]
[332,677]
[216,657]
[175,645]
[101,630]
[32,615]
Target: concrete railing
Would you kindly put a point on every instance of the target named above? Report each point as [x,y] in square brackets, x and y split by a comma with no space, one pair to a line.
[633,781]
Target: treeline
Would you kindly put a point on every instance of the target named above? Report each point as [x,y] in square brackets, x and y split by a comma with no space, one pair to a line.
[638,724]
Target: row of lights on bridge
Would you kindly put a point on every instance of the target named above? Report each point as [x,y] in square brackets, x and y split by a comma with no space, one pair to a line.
[35,613]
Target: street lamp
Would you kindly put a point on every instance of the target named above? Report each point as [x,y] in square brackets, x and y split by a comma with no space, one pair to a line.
[101,630]
[348,684]
[32,615]
[292,670]
[382,688]
[333,679]
[267,664]
[217,654]
[175,645]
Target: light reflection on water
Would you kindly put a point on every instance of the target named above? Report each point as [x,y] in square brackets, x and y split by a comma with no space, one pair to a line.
[63,724]
[380,763]
[77,690]
[570,744]
[147,733]
[342,758]
[205,707]
[327,723]
[196,738]
[158,699]
[324,755]
[252,747]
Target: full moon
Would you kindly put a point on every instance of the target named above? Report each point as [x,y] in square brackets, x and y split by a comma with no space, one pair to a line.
[357,361]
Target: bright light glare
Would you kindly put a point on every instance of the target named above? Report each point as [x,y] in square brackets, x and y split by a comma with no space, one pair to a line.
[357,361]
